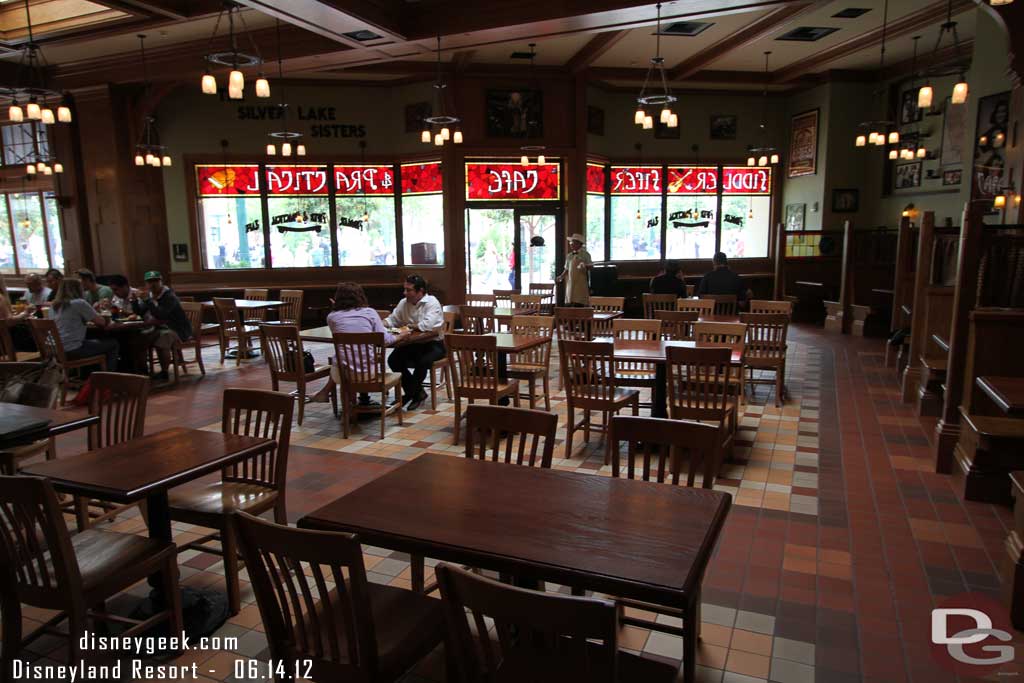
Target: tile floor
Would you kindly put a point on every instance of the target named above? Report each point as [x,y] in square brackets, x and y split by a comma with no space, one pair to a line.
[840,541]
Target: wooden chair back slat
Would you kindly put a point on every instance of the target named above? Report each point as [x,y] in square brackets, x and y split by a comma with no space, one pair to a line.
[698,382]
[503,297]
[486,300]
[533,628]
[477,319]
[474,361]
[527,301]
[533,326]
[291,312]
[313,596]
[766,335]
[703,307]
[636,330]
[677,325]
[574,323]
[119,400]
[657,447]
[546,290]
[658,302]
[34,541]
[606,304]
[194,313]
[720,333]
[47,339]
[259,315]
[227,315]
[769,306]
[263,414]
[511,435]
[725,304]
[588,370]
[360,358]
[283,349]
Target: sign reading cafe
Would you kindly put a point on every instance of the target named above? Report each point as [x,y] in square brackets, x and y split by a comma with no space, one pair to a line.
[285,180]
[486,181]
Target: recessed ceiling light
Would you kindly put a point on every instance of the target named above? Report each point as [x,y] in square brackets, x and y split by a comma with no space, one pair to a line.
[686,28]
[807,34]
[362,35]
[851,13]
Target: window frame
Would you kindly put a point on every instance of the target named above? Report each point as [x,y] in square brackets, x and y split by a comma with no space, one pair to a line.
[47,235]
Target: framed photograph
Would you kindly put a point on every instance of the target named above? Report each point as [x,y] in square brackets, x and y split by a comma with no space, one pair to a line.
[514,113]
[663,132]
[909,113]
[803,144]
[414,115]
[595,120]
[795,216]
[990,145]
[180,251]
[723,126]
[908,175]
[952,177]
[954,134]
[845,200]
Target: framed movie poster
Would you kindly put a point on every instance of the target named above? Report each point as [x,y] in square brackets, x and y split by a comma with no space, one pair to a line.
[845,200]
[990,145]
[515,113]
[795,216]
[723,127]
[908,175]
[954,134]
[803,144]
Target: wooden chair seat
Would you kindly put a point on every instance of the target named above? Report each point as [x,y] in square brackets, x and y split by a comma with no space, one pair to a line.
[992,427]
[935,364]
[220,497]
[391,380]
[554,669]
[104,555]
[525,369]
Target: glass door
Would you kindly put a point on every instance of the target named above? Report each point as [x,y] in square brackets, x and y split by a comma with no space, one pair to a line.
[537,263]
[499,254]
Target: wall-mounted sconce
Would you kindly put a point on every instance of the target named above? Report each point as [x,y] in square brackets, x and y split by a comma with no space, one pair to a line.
[909,211]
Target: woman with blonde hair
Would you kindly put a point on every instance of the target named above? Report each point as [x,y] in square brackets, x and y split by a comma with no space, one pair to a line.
[72,312]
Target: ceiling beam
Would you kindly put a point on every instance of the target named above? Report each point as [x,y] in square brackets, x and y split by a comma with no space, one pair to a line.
[595,47]
[915,21]
[167,9]
[328,20]
[739,39]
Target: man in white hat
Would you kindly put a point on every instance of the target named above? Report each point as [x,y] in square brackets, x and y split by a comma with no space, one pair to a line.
[577,271]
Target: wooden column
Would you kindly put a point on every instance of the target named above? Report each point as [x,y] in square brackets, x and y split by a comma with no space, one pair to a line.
[947,431]
[575,218]
[846,289]
[779,290]
[922,276]
[901,281]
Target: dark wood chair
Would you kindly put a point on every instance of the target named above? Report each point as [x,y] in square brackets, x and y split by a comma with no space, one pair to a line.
[538,637]
[257,316]
[233,326]
[477,319]
[658,302]
[636,374]
[765,349]
[51,348]
[703,307]
[283,348]
[484,300]
[254,485]
[769,306]
[725,304]
[119,400]
[359,369]
[194,312]
[503,297]
[589,372]
[535,363]
[574,323]
[291,312]
[442,365]
[44,392]
[474,361]
[700,388]
[546,291]
[606,304]
[731,334]
[7,351]
[677,325]
[74,575]
[317,606]
[503,434]
[657,448]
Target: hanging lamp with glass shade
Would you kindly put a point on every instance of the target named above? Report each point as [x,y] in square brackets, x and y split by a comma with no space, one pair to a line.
[284,142]
[765,154]
[879,132]
[233,57]
[148,150]
[29,98]
[659,102]
[926,94]
[441,127]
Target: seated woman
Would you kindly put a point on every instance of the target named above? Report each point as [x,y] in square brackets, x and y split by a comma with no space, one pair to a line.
[352,313]
[71,312]
[20,335]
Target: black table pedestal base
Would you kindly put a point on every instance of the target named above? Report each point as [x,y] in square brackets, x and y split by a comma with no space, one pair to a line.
[203,610]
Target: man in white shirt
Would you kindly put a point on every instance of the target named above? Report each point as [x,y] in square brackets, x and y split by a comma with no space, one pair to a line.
[37,293]
[422,314]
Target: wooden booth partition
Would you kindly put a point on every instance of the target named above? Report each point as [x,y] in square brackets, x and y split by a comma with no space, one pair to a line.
[903,284]
[807,270]
[869,259]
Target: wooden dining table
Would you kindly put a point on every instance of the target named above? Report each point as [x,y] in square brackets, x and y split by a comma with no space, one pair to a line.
[628,538]
[52,423]
[250,304]
[146,468]
[656,353]
[1006,392]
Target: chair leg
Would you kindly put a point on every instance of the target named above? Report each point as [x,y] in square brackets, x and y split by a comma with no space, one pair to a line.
[170,575]
[281,509]
[586,425]
[301,388]
[433,388]
[569,429]
[547,392]
[230,550]
[81,513]
[533,391]
[199,356]
[346,412]
[448,381]
[458,418]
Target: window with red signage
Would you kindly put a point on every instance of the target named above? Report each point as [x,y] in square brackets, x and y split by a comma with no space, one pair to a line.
[636,193]
[691,209]
[299,216]
[365,213]
[230,216]
[595,210]
[500,181]
[423,213]
[746,211]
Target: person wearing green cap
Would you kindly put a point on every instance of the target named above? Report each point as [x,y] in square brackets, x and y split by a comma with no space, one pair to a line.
[161,306]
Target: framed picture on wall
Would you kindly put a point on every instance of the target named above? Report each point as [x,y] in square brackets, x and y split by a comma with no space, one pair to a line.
[803,144]
[909,113]
[595,120]
[723,127]
[180,251]
[908,175]
[990,145]
[952,177]
[954,134]
[514,113]
[845,200]
[414,115]
[795,216]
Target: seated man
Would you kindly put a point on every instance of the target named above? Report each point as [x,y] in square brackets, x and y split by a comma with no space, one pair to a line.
[160,305]
[53,278]
[422,313]
[37,293]
[95,293]
[722,280]
[669,281]
[122,299]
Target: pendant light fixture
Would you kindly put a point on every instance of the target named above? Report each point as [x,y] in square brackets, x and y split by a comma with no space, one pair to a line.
[29,98]
[441,127]
[524,160]
[148,150]
[914,149]
[234,58]
[880,132]
[926,95]
[661,103]
[765,154]
[290,140]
